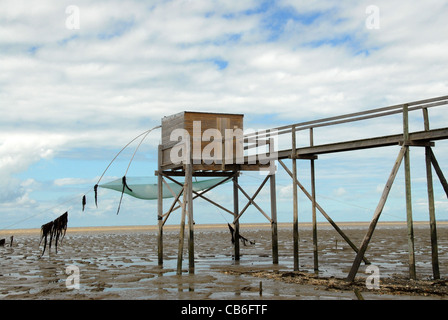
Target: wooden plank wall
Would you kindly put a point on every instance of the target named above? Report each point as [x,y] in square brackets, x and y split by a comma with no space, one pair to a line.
[185,120]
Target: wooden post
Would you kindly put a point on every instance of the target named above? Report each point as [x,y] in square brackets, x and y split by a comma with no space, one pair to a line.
[182,233]
[189,198]
[313,194]
[235,214]
[295,202]
[160,208]
[274,220]
[407,171]
[273,192]
[376,216]
[431,206]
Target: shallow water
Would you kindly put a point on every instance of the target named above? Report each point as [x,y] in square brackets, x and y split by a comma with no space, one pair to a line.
[124,265]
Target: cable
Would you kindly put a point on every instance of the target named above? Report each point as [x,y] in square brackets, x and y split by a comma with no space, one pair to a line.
[146,132]
[132,158]
[95,187]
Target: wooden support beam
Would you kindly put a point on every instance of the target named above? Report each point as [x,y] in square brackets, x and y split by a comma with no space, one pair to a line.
[172,205]
[439,172]
[180,252]
[251,200]
[431,204]
[189,199]
[197,173]
[172,191]
[274,220]
[376,216]
[295,203]
[432,216]
[313,207]
[160,210]
[334,225]
[407,173]
[392,140]
[235,214]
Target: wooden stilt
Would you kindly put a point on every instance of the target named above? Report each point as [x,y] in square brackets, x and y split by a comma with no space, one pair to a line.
[189,198]
[236,221]
[407,172]
[431,205]
[295,203]
[182,233]
[274,220]
[272,169]
[376,216]
[313,195]
[160,208]
[432,217]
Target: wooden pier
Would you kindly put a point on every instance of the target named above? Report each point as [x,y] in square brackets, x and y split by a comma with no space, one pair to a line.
[212,145]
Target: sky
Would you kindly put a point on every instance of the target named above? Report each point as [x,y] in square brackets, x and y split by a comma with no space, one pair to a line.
[81,79]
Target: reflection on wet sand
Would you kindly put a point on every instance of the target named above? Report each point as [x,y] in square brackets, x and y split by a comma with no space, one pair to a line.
[121,263]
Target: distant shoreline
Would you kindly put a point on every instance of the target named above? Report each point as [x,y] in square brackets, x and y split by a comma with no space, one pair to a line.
[73,230]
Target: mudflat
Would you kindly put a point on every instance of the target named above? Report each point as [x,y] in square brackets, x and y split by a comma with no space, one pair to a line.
[121,263]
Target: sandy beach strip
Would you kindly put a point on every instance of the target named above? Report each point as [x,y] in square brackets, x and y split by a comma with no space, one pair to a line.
[154,228]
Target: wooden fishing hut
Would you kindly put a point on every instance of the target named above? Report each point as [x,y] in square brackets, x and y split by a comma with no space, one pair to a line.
[189,134]
[200,144]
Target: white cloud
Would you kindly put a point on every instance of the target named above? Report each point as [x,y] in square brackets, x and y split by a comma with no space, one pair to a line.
[131,63]
[17,153]
[73,181]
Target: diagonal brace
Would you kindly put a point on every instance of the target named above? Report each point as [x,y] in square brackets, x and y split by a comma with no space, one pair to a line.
[251,199]
[335,226]
[376,216]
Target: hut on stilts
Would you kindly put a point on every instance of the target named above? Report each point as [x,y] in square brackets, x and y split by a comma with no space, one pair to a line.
[198,144]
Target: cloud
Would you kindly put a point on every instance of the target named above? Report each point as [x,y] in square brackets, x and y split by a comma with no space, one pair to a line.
[73,181]
[74,92]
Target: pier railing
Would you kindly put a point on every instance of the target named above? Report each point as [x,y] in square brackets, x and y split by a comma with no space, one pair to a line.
[263,137]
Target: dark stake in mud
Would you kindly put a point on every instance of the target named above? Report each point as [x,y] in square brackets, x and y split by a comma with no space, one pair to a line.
[56,228]
[243,239]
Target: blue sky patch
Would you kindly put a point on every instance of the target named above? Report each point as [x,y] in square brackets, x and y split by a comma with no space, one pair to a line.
[32,50]
[221,64]
[116,29]
[68,39]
